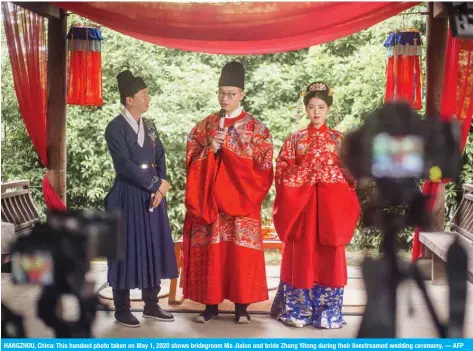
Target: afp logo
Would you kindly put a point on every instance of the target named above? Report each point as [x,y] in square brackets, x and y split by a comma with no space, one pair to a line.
[458,345]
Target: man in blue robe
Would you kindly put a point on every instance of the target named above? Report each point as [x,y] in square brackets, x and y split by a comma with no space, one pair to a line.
[139,192]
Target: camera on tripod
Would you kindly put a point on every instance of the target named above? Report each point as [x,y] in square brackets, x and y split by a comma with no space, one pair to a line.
[57,255]
[63,247]
[397,148]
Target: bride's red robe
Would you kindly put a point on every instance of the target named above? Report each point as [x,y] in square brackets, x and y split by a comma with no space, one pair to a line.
[316,209]
[223,250]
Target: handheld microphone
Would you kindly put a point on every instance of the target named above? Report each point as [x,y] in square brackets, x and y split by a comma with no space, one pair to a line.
[221,121]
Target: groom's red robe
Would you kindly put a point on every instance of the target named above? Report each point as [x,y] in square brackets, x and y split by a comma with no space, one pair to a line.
[223,251]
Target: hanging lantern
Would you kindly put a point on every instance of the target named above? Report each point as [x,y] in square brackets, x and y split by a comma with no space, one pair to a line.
[84,86]
[404,69]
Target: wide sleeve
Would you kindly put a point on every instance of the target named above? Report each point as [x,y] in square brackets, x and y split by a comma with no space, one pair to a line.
[339,208]
[246,171]
[201,168]
[263,160]
[293,191]
[339,212]
[145,179]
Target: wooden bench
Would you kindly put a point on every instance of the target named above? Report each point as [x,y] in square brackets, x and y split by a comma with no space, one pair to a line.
[438,242]
[179,251]
[18,212]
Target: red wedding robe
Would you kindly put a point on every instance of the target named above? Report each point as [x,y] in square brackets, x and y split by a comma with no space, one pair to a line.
[315,210]
[223,250]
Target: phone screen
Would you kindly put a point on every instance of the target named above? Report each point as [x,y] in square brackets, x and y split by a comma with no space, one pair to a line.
[35,267]
[397,156]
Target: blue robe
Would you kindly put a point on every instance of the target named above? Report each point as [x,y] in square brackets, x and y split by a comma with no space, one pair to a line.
[149,248]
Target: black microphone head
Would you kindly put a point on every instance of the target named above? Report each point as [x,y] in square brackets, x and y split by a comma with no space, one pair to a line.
[222,113]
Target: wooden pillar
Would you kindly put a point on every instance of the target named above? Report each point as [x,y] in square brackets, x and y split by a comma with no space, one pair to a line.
[56,117]
[437,30]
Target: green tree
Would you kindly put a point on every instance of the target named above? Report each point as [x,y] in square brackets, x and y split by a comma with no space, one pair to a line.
[183,87]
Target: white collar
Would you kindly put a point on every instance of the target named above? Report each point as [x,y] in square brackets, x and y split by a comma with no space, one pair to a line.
[137,127]
[235,113]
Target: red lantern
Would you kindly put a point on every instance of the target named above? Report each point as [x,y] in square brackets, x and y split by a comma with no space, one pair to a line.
[84,86]
[404,69]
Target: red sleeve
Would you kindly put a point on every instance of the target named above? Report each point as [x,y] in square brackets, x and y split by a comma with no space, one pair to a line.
[245,173]
[293,191]
[201,165]
[339,208]
[338,213]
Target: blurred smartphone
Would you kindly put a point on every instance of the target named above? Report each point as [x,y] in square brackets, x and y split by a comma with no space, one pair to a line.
[397,156]
[35,267]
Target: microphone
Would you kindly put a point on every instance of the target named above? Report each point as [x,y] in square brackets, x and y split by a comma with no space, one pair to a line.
[221,121]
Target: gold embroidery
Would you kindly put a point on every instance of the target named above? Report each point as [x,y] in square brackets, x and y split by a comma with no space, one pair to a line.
[248,138]
[241,231]
[310,158]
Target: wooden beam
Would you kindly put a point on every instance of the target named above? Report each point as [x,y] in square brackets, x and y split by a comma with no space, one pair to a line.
[439,10]
[43,9]
[437,31]
[56,117]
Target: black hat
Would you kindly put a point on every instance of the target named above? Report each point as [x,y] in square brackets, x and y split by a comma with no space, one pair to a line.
[320,90]
[129,85]
[233,75]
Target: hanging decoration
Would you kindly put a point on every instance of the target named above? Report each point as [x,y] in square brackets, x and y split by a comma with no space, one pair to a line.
[404,69]
[456,103]
[84,86]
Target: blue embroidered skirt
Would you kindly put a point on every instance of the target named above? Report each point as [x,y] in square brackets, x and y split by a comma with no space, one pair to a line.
[319,306]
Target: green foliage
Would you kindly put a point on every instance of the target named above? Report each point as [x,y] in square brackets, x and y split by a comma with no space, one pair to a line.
[453,191]
[183,88]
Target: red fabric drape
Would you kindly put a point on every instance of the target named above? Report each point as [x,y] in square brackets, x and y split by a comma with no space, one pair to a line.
[237,28]
[51,198]
[26,41]
[464,91]
[457,102]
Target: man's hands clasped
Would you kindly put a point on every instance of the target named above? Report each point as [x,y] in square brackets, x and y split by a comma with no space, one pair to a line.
[161,193]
